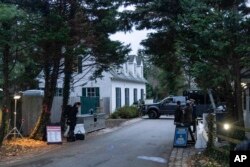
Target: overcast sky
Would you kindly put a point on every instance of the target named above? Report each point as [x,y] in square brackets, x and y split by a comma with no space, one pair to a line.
[134,38]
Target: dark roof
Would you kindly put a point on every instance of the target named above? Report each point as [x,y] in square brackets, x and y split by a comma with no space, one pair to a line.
[138,60]
[131,58]
[129,78]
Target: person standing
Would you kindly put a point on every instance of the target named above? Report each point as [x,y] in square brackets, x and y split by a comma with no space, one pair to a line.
[72,119]
[178,115]
[188,113]
[188,118]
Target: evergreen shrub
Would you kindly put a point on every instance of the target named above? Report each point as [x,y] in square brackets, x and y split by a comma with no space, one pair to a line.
[125,112]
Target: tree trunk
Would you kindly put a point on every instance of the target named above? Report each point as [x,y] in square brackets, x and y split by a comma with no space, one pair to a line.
[66,85]
[6,93]
[238,110]
[238,91]
[51,72]
[229,97]
[69,57]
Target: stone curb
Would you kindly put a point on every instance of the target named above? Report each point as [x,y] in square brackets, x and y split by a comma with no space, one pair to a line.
[180,157]
[117,124]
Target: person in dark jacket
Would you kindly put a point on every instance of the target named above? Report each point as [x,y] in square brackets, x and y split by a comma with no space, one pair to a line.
[188,114]
[178,115]
[188,118]
[72,119]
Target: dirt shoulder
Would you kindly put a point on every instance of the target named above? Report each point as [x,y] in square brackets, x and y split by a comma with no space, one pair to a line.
[23,147]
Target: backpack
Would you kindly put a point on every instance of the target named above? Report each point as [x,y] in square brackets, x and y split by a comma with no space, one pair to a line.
[79,132]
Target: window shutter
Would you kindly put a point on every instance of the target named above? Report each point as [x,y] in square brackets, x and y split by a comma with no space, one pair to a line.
[84,94]
[97,92]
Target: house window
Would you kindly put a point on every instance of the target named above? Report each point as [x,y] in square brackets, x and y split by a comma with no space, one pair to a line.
[127,96]
[79,64]
[90,92]
[142,94]
[118,97]
[135,95]
[59,92]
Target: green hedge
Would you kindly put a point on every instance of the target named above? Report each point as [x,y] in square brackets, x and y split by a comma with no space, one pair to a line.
[125,112]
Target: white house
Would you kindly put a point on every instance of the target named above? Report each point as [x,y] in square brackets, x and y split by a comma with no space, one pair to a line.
[123,86]
[118,87]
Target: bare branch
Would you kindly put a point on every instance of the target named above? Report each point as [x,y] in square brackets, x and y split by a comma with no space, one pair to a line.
[83,76]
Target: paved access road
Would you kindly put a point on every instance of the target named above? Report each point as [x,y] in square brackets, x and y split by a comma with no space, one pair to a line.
[146,143]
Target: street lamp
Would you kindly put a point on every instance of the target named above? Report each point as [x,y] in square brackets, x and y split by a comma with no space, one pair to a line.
[226,126]
[229,125]
[16,97]
[15,131]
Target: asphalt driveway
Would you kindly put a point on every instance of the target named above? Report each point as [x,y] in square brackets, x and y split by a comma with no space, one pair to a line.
[146,143]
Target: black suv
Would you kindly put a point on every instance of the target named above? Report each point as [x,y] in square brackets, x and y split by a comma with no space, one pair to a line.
[166,106]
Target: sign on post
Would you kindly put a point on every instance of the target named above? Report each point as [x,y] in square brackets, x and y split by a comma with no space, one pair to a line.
[181,136]
[54,135]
